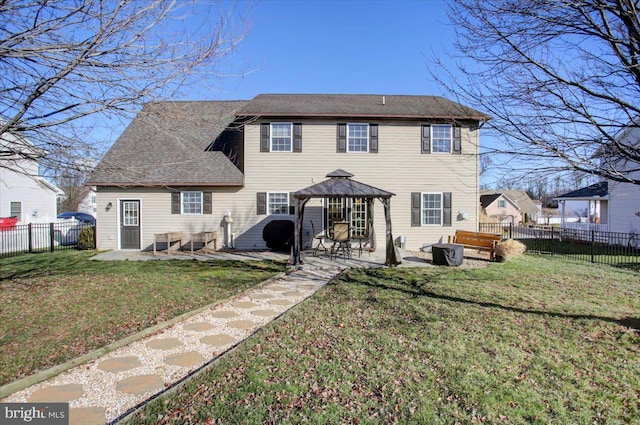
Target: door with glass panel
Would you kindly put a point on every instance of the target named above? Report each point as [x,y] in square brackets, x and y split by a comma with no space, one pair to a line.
[130,224]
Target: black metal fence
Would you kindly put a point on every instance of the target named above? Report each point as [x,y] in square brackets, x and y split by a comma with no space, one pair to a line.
[613,248]
[40,237]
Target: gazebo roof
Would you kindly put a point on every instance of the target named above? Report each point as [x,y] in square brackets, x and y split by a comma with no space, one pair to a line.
[340,185]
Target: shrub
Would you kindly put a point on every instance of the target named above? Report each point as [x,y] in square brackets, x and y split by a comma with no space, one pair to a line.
[86,238]
[509,249]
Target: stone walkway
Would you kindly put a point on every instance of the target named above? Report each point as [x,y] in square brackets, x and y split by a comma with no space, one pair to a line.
[109,387]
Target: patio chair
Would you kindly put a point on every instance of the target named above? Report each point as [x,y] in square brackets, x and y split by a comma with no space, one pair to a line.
[320,238]
[341,239]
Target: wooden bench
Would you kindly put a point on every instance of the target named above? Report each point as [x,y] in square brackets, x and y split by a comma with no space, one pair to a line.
[206,238]
[477,240]
[170,238]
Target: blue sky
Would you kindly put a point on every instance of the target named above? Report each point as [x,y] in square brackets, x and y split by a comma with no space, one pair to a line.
[357,46]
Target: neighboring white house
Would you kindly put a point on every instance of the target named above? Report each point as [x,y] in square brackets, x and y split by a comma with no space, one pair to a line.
[89,204]
[25,193]
[624,198]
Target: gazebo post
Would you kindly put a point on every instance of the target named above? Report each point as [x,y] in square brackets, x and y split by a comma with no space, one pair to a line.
[391,259]
[297,230]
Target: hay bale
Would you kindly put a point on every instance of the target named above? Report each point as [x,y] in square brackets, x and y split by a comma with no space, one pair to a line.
[509,249]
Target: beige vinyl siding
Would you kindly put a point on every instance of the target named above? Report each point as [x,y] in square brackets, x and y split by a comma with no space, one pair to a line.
[398,167]
[155,215]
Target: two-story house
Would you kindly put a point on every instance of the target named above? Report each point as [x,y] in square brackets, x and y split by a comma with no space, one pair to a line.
[184,166]
[24,193]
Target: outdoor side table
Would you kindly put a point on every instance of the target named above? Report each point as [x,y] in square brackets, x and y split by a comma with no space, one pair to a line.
[447,254]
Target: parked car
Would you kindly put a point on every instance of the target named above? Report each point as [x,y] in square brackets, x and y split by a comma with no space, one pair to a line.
[80,216]
[66,232]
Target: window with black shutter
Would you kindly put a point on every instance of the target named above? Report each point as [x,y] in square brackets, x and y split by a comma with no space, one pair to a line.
[341,143]
[175,203]
[261,201]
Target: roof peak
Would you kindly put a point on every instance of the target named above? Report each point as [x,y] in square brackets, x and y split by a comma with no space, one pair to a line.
[339,173]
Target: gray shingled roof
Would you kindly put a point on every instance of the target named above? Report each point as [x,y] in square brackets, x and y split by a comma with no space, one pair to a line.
[340,184]
[358,105]
[166,144]
[486,200]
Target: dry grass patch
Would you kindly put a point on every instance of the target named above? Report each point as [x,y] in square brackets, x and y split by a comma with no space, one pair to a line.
[533,340]
[58,306]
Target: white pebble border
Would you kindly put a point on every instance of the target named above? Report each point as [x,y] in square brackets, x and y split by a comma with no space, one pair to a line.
[100,386]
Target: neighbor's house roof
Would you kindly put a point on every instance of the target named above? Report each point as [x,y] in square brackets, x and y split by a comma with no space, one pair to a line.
[486,200]
[597,190]
[46,184]
[166,144]
[518,197]
[339,184]
[358,105]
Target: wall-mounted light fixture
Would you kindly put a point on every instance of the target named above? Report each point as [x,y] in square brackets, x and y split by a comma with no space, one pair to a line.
[463,215]
[108,207]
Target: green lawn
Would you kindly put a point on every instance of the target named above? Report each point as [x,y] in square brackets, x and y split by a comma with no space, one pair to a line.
[535,340]
[58,306]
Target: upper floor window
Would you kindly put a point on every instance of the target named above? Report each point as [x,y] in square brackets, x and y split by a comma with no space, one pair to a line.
[441,137]
[281,136]
[357,138]
[502,203]
[191,202]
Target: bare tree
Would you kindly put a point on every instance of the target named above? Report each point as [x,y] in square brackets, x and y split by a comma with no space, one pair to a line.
[560,78]
[71,180]
[67,64]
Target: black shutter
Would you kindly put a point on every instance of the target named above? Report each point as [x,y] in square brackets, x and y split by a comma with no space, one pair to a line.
[342,138]
[446,209]
[292,204]
[457,140]
[416,207]
[373,138]
[426,139]
[265,140]
[175,203]
[262,203]
[207,203]
[297,137]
